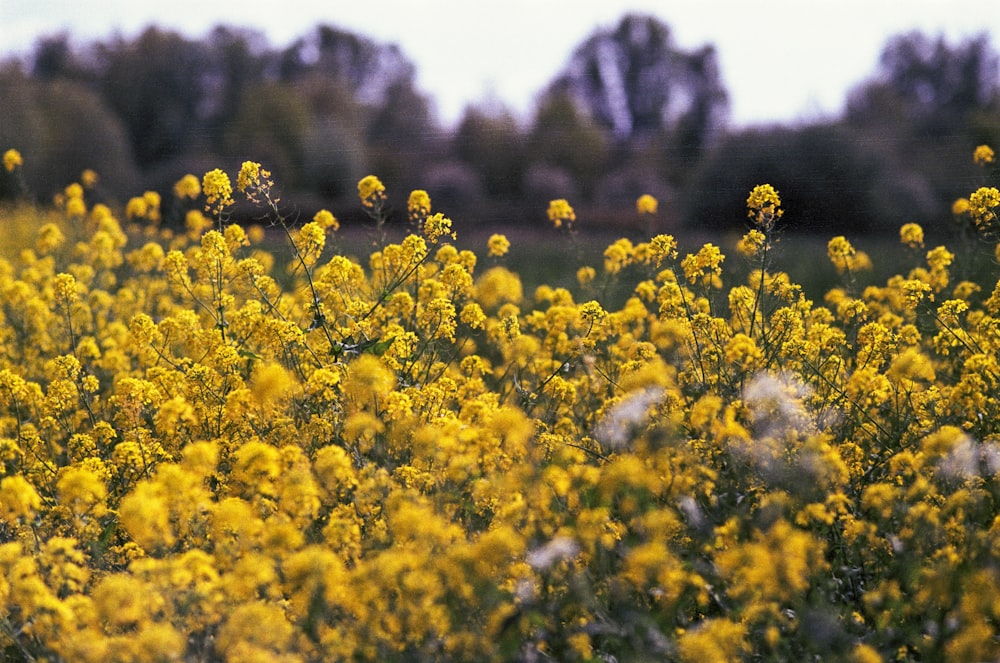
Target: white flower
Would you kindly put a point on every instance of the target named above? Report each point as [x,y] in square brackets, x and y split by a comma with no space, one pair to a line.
[556,550]
[621,422]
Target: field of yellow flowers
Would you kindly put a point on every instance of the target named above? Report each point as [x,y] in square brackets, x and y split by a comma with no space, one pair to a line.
[210,452]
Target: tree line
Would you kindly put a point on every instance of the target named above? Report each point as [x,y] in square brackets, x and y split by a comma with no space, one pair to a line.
[631,113]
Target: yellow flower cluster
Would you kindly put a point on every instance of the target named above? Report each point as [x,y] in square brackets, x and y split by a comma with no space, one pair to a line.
[561,213]
[187,187]
[204,457]
[437,226]
[646,204]
[497,245]
[912,235]
[254,182]
[764,206]
[218,190]
[326,220]
[146,207]
[418,206]
[12,159]
[983,155]
[371,191]
[71,200]
[982,205]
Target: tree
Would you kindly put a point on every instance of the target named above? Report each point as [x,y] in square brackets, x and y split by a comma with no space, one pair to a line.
[156,84]
[635,83]
[62,127]
[271,127]
[491,142]
[378,79]
[367,69]
[934,86]
[235,60]
[401,136]
[829,181]
[563,138]
[926,107]
[335,154]
[53,58]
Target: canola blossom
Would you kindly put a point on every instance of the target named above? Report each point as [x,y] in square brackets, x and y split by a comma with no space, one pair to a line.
[12,159]
[646,204]
[210,454]
[561,213]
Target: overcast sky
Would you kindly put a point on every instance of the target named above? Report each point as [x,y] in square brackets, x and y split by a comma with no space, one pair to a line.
[781,60]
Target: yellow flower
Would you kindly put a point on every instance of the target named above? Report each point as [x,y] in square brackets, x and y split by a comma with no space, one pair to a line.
[912,235]
[18,499]
[764,206]
[326,220]
[939,258]
[74,190]
[715,639]
[751,244]
[12,159]
[646,204]
[255,466]
[437,226]
[914,291]
[472,315]
[371,191]
[983,155]
[89,178]
[187,187]
[592,311]
[309,242]
[497,245]
[196,223]
[334,470]
[950,312]
[497,286]
[618,255]
[982,204]
[75,207]
[82,491]
[136,208]
[742,351]
[510,327]
[72,200]
[244,636]
[438,318]
[581,646]
[863,653]
[560,212]
[418,206]
[662,247]
[704,267]
[123,601]
[65,289]
[152,199]
[840,251]
[218,191]
[256,233]
[50,237]
[251,176]
[271,384]
[368,380]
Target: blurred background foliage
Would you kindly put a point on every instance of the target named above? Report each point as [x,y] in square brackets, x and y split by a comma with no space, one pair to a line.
[631,113]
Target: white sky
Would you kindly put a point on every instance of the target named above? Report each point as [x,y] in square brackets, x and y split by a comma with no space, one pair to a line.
[781,60]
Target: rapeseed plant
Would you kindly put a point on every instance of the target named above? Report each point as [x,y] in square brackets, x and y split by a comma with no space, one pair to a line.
[208,455]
